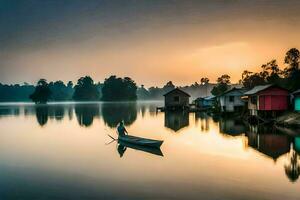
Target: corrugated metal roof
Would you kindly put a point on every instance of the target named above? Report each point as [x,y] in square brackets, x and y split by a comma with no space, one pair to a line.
[177,89]
[257,89]
[242,90]
[209,97]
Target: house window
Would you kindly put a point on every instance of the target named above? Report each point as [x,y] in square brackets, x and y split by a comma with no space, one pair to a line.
[176,98]
[253,99]
[231,98]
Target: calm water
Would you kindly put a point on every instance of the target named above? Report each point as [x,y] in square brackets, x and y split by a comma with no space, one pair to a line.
[59,151]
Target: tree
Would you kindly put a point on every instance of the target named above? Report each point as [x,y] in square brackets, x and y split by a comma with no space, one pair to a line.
[223,82]
[60,92]
[273,71]
[70,84]
[292,71]
[14,93]
[292,58]
[85,90]
[204,81]
[224,79]
[119,89]
[42,92]
[253,79]
[142,93]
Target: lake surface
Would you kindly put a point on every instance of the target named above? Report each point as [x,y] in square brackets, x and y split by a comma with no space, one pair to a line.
[59,151]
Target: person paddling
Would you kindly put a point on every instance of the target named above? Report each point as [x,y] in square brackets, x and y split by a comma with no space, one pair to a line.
[121,129]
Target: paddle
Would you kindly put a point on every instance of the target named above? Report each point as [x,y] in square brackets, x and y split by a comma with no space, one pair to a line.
[112,137]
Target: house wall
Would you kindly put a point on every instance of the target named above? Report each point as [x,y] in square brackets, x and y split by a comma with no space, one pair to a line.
[271,99]
[273,102]
[252,106]
[208,103]
[230,106]
[170,101]
[297,103]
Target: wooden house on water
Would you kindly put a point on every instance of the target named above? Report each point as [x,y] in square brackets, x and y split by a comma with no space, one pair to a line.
[296,100]
[266,99]
[231,101]
[205,102]
[176,100]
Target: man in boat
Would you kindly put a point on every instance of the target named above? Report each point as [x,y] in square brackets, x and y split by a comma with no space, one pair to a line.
[121,129]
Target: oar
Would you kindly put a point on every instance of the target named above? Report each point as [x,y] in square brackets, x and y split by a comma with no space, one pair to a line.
[112,137]
[109,142]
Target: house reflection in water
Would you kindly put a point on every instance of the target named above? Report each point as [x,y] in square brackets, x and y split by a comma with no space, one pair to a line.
[203,119]
[232,126]
[176,120]
[268,142]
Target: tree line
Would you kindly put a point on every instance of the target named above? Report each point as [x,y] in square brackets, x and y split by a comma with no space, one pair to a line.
[125,89]
[270,73]
[113,89]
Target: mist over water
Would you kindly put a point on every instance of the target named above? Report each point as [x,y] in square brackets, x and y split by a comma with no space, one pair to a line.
[59,151]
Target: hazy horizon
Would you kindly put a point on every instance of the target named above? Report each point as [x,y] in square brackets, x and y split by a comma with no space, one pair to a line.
[150,41]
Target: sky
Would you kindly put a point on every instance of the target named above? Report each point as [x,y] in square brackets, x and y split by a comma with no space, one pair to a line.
[151,41]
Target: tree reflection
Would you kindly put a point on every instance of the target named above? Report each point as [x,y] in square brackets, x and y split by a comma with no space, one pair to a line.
[85,113]
[114,113]
[42,113]
[292,169]
[9,111]
[57,112]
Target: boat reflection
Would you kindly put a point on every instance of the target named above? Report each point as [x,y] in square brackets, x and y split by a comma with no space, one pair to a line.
[122,147]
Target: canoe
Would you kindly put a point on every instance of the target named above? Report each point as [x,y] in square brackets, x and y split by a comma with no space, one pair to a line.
[148,149]
[141,141]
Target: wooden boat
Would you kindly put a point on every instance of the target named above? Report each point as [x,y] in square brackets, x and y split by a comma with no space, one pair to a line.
[148,149]
[140,141]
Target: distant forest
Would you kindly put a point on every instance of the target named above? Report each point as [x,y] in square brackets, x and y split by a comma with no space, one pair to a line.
[125,89]
[113,89]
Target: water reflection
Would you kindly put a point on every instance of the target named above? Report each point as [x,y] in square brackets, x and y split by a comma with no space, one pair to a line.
[122,147]
[176,120]
[268,141]
[13,111]
[57,112]
[241,157]
[113,113]
[42,113]
[85,113]
[232,126]
[203,119]
[292,169]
